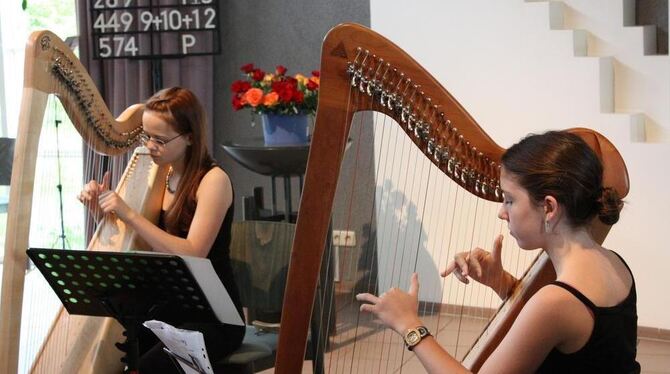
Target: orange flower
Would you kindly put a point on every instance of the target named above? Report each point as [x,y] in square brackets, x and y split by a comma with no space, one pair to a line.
[315,79]
[271,99]
[302,79]
[253,97]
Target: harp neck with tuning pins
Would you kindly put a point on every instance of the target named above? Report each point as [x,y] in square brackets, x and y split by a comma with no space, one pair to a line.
[74,342]
[366,80]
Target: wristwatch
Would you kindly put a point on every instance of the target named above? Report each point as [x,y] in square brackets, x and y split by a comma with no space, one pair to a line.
[413,336]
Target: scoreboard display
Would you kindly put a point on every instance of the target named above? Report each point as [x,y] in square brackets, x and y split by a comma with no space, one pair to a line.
[145,29]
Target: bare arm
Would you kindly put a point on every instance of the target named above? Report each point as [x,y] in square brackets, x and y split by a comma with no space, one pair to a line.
[435,359]
[214,198]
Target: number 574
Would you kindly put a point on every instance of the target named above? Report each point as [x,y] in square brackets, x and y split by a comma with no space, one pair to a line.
[117,46]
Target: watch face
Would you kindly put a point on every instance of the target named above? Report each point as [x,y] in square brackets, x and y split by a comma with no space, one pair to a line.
[412,337]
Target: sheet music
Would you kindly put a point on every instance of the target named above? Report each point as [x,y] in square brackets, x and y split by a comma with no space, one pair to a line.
[215,292]
[186,345]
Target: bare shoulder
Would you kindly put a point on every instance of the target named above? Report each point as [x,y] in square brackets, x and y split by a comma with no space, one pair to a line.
[215,177]
[559,312]
[550,301]
[553,296]
[620,273]
[215,184]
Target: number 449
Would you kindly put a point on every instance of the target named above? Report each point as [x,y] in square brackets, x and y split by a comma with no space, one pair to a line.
[117,46]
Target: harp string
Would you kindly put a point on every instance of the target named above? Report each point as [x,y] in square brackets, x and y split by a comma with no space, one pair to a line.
[351,324]
[469,215]
[363,120]
[364,322]
[42,236]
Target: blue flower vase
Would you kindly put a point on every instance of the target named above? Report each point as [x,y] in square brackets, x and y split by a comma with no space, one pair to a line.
[284,129]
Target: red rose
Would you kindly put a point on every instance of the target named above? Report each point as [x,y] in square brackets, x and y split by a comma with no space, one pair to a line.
[316,73]
[311,85]
[280,70]
[248,68]
[299,97]
[240,86]
[237,103]
[284,90]
[258,75]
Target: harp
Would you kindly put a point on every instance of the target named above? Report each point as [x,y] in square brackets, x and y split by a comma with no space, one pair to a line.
[366,80]
[74,342]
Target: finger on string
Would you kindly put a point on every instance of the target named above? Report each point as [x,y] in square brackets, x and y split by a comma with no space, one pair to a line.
[461,277]
[370,298]
[462,263]
[450,268]
[105,181]
[497,249]
[414,285]
[476,266]
[85,195]
[104,195]
[369,308]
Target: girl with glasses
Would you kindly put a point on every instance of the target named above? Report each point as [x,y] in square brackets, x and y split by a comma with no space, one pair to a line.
[198,197]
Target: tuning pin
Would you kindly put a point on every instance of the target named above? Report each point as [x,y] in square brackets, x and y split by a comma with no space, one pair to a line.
[123,347]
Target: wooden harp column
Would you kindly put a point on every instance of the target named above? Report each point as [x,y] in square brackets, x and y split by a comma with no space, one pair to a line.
[363,71]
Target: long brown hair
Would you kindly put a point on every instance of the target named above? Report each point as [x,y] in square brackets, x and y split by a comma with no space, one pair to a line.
[562,165]
[182,110]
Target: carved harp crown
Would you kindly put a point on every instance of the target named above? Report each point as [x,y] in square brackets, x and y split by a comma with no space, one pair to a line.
[363,71]
[51,68]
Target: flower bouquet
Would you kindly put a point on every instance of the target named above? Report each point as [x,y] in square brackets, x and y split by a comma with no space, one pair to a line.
[283,102]
[276,93]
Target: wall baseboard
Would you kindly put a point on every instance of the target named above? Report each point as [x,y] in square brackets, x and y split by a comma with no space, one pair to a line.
[653,333]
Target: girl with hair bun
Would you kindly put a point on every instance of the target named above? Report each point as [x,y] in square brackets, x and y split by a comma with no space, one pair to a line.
[583,322]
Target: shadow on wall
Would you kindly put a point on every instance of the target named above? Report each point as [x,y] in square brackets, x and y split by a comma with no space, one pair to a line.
[394,246]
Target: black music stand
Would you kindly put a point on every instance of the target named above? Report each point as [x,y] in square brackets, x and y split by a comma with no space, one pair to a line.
[130,287]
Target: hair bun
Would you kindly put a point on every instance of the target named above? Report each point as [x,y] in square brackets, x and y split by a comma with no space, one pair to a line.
[610,205]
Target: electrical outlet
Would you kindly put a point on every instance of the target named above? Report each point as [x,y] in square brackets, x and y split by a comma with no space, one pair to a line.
[343,238]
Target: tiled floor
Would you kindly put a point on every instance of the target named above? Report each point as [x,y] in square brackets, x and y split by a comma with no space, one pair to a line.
[363,348]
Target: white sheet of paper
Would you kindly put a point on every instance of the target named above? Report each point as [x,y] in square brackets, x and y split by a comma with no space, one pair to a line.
[187,344]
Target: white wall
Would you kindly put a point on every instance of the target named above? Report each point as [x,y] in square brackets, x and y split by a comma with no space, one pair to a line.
[515,74]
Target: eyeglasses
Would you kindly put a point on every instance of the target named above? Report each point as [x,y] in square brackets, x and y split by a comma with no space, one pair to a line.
[144,139]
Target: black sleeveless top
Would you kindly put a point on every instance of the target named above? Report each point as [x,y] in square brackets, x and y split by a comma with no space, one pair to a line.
[219,254]
[613,343]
